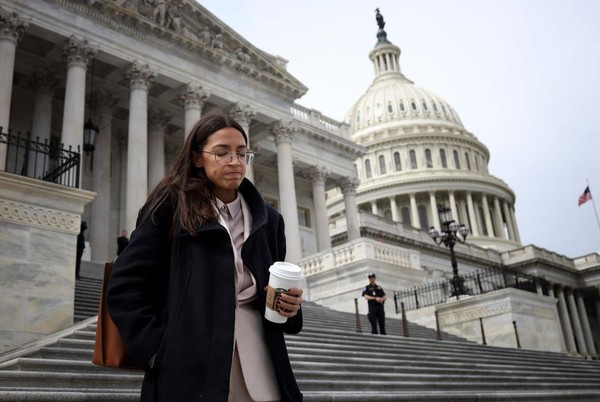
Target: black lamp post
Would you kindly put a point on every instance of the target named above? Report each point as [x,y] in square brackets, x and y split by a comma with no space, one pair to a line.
[90,130]
[451,233]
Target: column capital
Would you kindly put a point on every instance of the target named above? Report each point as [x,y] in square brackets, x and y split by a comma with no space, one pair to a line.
[104,101]
[283,130]
[318,174]
[348,185]
[193,96]
[78,51]
[242,113]
[11,26]
[140,75]
[158,118]
[43,81]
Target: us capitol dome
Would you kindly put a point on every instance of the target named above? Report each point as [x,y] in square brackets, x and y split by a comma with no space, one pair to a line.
[420,157]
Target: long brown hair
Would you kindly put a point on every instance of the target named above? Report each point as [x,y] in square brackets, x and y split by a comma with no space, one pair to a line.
[186,186]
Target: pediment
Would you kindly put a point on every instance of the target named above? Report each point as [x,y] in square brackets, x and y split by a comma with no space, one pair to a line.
[194,31]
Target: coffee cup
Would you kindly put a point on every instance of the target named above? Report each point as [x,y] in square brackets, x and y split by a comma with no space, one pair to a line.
[283,277]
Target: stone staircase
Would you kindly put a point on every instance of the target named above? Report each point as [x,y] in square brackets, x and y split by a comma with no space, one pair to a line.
[331,360]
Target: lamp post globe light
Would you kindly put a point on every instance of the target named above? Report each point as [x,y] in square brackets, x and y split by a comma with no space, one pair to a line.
[451,232]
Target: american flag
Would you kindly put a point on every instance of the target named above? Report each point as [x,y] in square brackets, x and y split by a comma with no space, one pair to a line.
[585,197]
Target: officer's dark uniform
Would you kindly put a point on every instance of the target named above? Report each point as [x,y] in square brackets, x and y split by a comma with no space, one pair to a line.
[376,310]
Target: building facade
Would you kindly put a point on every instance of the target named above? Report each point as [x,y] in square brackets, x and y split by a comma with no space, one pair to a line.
[357,196]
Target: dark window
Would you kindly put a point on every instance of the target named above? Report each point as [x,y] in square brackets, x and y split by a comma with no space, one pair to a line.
[413,105]
[468,160]
[382,169]
[402,106]
[368,172]
[423,217]
[425,106]
[405,212]
[456,160]
[397,161]
[413,159]
[390,108]
[428,159]
[435,109]
[443,158]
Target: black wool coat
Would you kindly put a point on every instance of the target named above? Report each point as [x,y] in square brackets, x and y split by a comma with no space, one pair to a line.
[173,295]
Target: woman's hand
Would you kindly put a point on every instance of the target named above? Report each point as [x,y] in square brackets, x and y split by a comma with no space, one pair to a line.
[288,303]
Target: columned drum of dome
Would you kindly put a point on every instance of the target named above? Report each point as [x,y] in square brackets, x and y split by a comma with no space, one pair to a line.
[420,155]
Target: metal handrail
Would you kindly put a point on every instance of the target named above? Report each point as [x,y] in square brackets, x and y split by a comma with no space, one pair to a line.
[44,160]
[476,283]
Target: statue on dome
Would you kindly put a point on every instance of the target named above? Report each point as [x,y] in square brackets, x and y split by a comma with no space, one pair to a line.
[379,18]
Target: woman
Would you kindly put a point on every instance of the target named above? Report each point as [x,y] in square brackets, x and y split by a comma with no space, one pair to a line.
[188,292]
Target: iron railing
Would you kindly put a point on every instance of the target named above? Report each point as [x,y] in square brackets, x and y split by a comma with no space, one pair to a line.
[43,160]
[475,283]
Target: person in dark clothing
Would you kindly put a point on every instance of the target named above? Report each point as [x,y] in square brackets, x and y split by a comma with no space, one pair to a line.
[80,247]
[376,297]
[122,242]
[188,293]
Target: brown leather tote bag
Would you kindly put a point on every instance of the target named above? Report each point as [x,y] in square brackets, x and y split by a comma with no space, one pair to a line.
[109,350]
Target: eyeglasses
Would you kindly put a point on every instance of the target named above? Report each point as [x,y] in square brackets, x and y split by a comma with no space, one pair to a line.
[224,158]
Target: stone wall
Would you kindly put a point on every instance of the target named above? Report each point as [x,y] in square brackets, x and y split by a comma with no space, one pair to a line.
[39,223]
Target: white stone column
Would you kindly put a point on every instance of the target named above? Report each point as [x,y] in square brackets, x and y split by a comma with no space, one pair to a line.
[513,219]
[434,210]
[11,30]
[585,325]
[243,114]
[193,98]
[487,216]
[581,346]
[318,176]
[498,220]
[43,83]
[100,239]
[374,209]
[140,77]
[283,132]
[348,187]
[77,53]
[472,217]
[453,207]
[508,220]
[394,209]
[565,321]
[157,124]
[414,212]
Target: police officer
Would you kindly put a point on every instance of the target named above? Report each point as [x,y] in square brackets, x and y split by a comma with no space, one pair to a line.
[375,296]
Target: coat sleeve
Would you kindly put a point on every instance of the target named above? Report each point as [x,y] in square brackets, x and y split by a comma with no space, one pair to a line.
[137,289]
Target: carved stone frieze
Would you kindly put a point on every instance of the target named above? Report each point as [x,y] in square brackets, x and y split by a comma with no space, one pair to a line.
[183,27]
[15,212]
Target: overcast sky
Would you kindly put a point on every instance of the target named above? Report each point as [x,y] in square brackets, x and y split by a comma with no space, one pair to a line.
[523,75]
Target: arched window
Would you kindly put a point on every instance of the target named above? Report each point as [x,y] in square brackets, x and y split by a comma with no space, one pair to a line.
[413,105]
[425,107]
[390,108]
[443,158]
[435,109]
[368,172]
[456,160]
[405,212]
[476,162]
[468,160]
[388,214]
[428,159]
[413,159]
[397,161]
[423,217]
[402,109]
[358,117]
[382,169]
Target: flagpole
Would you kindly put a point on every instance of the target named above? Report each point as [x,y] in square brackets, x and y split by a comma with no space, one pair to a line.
[594,205]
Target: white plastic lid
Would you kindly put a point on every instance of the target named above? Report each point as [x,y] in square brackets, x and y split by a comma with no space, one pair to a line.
[286,270]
